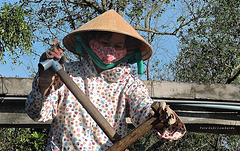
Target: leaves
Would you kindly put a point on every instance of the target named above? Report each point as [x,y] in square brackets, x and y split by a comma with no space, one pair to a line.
[180,19]
[208,48]
[15,33]
[17,139]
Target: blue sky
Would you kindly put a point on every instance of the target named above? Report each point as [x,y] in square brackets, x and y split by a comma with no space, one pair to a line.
[168,43]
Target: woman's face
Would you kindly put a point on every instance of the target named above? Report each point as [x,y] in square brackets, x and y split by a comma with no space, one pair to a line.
[113,40]
[104,47]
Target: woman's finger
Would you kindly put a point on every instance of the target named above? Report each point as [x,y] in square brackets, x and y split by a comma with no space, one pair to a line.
[54,54]
[60,50]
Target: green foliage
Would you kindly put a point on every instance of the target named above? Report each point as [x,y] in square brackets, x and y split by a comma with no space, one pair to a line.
[15,33]
[18,139]
[190,142]
[209,53]
[210,47]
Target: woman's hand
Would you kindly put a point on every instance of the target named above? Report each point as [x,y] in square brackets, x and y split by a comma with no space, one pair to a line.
[47,77]
[165,114]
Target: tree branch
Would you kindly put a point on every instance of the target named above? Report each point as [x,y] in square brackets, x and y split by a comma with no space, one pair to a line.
[151,12]
[95,5]
[90,3]
[152,31]
[77,3]
[174,33]
[104,4]
[69,15]
[110,6]
[122,5]
[210,40]
[184,24]
[235,73]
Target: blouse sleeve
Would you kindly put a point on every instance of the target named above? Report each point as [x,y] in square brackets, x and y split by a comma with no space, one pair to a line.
[40,107]
[139,101]
[139,109]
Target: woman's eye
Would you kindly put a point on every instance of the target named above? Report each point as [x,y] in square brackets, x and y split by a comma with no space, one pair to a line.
[104,43]
[119,47]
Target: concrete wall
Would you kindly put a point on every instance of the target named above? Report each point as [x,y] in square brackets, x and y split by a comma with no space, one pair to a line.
[179,90]
[157,89]
[15,86]
[12,113]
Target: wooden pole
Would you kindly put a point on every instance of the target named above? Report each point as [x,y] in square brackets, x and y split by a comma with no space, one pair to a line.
[139,131]
[88,105]
[134,135]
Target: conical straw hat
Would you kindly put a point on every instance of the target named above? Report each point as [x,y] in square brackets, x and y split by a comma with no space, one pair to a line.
[110,21]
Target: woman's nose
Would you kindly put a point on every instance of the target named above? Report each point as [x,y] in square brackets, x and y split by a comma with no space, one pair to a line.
[111,45]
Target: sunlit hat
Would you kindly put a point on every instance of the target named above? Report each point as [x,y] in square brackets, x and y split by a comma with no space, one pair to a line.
[110,21]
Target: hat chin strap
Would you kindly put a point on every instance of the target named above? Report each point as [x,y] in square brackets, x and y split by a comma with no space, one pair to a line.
[135,57]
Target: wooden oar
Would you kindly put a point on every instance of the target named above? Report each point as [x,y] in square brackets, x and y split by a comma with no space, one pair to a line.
[140,130]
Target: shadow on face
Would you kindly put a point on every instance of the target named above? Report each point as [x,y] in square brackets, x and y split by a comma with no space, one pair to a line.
[118,40]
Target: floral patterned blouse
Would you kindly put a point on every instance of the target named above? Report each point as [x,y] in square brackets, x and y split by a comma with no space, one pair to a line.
[72,127]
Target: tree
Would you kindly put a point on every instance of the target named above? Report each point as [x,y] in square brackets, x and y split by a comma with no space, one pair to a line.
[210,46]
[210,54]
[15,33]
